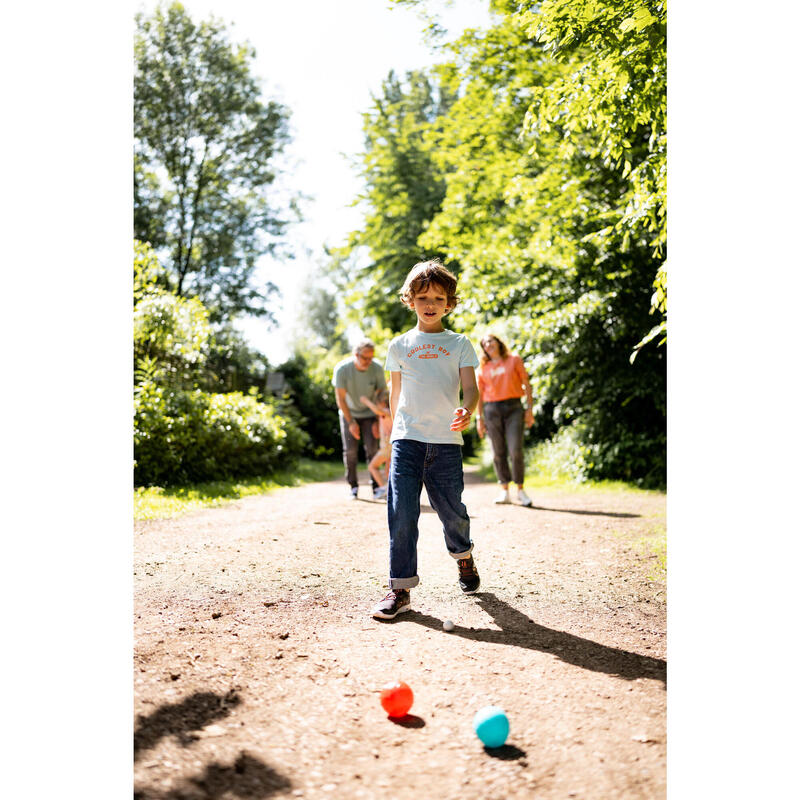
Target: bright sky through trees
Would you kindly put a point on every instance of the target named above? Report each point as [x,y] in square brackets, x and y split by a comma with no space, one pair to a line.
[323,60]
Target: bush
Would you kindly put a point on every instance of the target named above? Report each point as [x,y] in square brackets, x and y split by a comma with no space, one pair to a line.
[193,436]
[563,456]
[578,357]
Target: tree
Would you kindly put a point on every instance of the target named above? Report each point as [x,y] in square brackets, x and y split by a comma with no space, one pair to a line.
[611,101]
[319,317]
[205,150]
[538,210]
[404,190]
[545,248]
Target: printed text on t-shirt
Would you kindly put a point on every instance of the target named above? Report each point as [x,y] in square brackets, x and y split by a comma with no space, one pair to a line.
[427,351]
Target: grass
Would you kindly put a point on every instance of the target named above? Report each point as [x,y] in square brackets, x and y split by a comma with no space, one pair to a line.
[156,502]
[655,544]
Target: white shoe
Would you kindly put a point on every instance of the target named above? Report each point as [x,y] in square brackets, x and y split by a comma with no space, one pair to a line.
[380,492]
[524,500]
[354,493]
[502,497]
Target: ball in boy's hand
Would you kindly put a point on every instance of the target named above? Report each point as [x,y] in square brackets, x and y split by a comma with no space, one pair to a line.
[396,698]
[459,415]
[491,725]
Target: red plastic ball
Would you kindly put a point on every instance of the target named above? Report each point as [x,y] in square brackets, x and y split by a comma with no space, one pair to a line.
[396,698]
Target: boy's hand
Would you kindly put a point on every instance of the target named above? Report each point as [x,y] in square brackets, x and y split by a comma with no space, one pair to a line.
[354,429]
[481,426]
[461,419]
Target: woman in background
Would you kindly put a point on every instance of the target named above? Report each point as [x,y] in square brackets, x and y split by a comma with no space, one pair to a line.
[502,382]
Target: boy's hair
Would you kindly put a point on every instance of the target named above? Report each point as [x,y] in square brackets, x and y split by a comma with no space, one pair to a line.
[425,273]
[500,343]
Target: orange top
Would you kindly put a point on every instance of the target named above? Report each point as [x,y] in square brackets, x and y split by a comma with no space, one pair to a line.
[502,380]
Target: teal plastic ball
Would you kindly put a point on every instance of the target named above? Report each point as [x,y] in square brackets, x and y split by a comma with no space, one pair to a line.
[491,725]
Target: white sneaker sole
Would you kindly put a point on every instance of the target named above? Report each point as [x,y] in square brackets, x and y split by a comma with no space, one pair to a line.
[378,614]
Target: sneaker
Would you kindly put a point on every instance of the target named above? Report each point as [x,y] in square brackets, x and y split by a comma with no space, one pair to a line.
[354,492]
[468,578]
[524,499]
[397,601]
[502,497]
[379,492]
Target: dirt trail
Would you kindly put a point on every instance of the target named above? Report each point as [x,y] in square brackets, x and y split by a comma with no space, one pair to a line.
[257,667]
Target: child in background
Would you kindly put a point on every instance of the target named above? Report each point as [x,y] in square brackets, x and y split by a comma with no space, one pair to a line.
[428,363]
[384,454]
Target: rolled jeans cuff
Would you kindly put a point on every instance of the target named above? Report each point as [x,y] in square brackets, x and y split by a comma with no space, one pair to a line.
[465,554]
[403,583]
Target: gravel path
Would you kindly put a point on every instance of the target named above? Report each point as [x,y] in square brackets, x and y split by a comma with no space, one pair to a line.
[258,668]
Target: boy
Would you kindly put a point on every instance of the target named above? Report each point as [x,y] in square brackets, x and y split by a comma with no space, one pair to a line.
[427,364]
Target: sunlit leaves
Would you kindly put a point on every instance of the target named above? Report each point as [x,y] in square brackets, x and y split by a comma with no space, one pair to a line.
[548,169]
[404,189]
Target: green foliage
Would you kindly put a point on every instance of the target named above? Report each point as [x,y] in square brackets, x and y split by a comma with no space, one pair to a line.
[182,432]
[404,191]
[658,303]
[232,365]
[205,149]
[611,101]
[192,436]
[313,397]
[148,274]
[172,332]
[544,186]
[581,376]
[560,458]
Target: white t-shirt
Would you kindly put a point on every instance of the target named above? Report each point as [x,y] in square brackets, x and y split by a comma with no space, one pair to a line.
[428,364]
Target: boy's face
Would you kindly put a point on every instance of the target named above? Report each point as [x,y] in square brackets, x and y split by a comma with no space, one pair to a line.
[430,305]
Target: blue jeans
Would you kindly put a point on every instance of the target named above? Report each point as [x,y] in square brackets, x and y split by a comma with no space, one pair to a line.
[438,468]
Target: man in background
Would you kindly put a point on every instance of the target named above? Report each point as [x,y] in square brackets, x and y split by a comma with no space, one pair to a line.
[353,377]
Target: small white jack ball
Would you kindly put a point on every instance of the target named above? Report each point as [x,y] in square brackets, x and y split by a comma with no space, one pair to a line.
[448,625]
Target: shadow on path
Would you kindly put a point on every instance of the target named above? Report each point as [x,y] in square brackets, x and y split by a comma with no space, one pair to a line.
[246,777]
[620,514]
[506,752]
[472,477]
[518,630]
[408,721]
[180,719]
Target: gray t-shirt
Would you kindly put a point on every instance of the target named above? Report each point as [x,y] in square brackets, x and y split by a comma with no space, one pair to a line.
[357,383]
[429,365]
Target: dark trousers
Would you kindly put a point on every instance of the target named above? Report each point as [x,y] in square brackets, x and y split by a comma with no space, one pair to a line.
[350,447]
[438,468]
[505,425]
